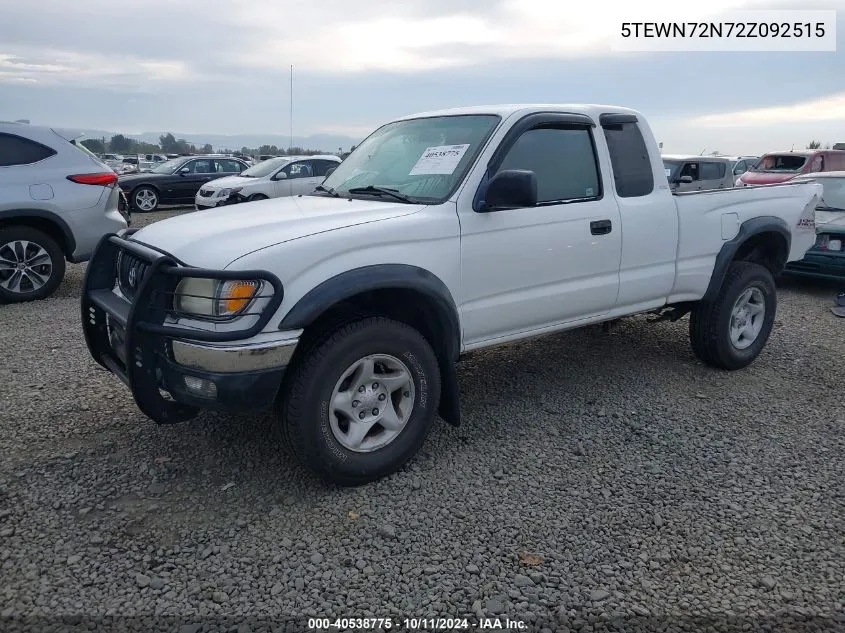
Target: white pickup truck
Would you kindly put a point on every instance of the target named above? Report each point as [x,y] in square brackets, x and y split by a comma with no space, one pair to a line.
[442,233]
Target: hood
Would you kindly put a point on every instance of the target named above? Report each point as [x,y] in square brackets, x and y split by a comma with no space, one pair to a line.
[229,181]
[216,237]
[767,178]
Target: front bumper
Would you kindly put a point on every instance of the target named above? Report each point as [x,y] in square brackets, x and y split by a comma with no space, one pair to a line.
[206,202]
[174,371]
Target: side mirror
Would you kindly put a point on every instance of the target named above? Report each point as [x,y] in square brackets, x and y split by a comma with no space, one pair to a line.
[685,180]
[184,170]
[280,176]
[330,171]
[511,189]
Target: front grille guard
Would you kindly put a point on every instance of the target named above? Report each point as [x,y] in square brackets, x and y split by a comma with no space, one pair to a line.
[145,335]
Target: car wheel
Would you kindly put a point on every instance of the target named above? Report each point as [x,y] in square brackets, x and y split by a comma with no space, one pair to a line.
[145,199]
[32,265]
[731,331]
[362,401]
[256,196]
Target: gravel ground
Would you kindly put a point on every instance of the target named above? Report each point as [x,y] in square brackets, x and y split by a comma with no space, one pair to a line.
[598,479]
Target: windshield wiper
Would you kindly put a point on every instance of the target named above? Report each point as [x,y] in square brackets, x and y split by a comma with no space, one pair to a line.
[328,190]
[381,190]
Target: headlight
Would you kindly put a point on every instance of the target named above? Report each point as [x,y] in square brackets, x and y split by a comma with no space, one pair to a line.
[227,192]
[215,298]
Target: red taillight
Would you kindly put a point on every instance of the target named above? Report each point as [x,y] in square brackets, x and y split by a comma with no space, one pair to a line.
[103,180]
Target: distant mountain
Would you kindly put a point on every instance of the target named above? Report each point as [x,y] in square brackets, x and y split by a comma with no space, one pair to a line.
[323,142]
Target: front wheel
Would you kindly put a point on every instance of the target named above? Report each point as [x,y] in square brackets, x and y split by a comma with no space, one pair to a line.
[256,196]
[731,331]
[362,401]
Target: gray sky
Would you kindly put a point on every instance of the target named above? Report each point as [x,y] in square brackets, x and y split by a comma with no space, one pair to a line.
[222,67]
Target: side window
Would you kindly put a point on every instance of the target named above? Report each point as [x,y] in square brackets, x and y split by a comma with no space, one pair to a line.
[740,168]
[301,169]
[203,166]
[712,171]
[322,166]
[16,150]
[562,158]
[632,170]
[228,166]
[690,169]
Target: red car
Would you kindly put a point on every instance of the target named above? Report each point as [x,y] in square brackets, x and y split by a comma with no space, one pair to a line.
[782,166]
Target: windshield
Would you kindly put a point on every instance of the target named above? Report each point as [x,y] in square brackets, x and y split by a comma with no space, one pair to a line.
[422,159]
[168,166]
[833,193]
[672,168]
[780,162]
[265,168]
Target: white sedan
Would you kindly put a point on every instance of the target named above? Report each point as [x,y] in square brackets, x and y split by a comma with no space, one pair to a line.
[273,178]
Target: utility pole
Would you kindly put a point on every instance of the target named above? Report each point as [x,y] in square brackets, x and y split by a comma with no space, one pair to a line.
[290,147]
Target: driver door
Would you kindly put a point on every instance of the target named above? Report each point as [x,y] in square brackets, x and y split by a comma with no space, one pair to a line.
[200,171]
[690,168]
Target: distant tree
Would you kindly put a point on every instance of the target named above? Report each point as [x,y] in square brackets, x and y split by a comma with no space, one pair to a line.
[207,149]
[352,149]
[814,145]
[168,143]
[142,147]
[95,145]
[120,144]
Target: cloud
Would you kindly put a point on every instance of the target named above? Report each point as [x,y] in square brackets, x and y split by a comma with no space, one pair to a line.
[830,108]
[197,40]
[62,67]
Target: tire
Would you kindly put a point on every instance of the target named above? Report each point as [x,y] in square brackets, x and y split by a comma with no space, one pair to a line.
[711,322]
[149,199]
[22,243]
[256,196]
[321,438]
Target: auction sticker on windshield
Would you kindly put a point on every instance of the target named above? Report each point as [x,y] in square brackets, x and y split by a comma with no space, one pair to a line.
[441,159]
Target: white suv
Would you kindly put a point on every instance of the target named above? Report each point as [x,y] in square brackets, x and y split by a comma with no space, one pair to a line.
[273,178]
[56,202]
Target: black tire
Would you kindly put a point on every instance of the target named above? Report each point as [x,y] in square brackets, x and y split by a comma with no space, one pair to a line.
[133,197]
[709,328]
[256,196]
[28,292]
[305,403]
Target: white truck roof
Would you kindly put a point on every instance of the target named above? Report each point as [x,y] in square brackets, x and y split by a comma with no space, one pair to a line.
[504,110]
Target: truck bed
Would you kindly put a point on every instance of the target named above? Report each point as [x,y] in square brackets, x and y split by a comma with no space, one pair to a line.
[721,212]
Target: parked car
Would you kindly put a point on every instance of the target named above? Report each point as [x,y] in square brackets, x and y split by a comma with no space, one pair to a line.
[741,164]
[783,166]
[274,178]
[176,181]
[826,259]
[56,201]
[697,173]
[441,233]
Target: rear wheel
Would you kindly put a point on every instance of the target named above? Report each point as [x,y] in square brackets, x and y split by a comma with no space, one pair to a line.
[145,199]
[256,196]
[731,331]
[32,265]
[362,401]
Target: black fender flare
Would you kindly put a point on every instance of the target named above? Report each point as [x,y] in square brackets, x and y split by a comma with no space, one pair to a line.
[748,229]
[67,234]
[393,276]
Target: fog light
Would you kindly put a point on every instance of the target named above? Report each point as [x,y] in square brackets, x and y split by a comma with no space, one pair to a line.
[200,387]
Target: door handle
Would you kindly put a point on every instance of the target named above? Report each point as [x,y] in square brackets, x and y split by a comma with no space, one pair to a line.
[601,227]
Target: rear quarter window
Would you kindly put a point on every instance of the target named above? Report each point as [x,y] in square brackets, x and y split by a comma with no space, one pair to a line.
[632,171]
[17,150]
